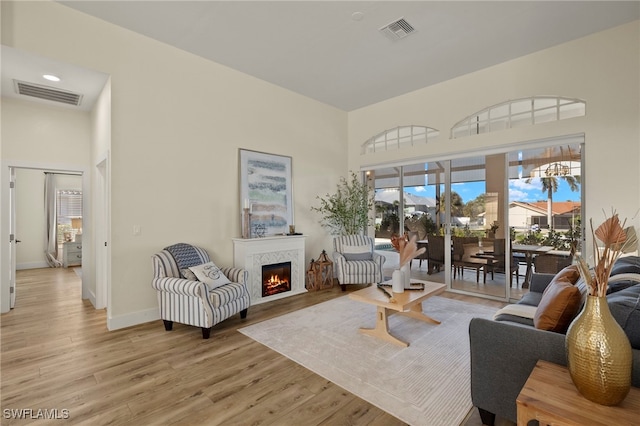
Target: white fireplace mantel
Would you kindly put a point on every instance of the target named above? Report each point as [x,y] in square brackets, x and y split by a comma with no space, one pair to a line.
[251,254]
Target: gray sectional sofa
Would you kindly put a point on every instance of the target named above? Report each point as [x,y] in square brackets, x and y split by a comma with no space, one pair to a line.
[505,350]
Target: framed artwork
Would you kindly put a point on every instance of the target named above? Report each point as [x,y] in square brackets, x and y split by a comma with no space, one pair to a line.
[265,189]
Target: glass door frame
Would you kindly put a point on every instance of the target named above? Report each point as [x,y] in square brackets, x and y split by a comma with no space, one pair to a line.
[505,150]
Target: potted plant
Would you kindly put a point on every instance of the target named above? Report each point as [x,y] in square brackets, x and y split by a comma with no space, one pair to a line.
[493,229]
[346,212]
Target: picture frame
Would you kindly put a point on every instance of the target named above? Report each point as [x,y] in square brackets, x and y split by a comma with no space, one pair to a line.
[266,191]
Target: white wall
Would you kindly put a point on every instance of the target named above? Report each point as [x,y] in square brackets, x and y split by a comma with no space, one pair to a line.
[98,240]
[602,69]
[177,122]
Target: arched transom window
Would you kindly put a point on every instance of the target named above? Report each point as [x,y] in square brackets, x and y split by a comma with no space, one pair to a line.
[519,112]
[398,138]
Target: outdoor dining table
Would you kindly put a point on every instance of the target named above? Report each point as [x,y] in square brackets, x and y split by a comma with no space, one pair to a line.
[529,252]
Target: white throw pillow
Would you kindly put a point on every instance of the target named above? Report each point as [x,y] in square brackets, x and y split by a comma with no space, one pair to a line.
[210,274]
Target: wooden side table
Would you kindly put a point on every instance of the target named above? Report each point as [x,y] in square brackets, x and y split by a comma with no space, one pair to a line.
[550,397]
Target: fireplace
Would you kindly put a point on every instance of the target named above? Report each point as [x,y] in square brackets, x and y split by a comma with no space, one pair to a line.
[251,254]
[276,278]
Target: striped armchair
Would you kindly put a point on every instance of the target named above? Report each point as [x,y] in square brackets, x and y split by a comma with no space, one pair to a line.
[191,302]
[355,260]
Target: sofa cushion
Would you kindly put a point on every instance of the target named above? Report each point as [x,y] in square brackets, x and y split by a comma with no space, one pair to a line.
[625,308]
[626,265]
[532,298]
[621,281]
[560,302]
[516,312]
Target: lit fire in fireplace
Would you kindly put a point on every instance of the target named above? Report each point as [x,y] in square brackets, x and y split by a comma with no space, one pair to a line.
[276,279]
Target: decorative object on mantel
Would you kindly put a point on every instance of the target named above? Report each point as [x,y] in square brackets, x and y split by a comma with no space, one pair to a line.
[347,211]
[258,230]
[266,191]
[246,223]
[599,354]
[320,273]
[408,249]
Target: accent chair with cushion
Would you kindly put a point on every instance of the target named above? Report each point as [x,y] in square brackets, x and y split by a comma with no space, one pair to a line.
[356,261]
[193,290]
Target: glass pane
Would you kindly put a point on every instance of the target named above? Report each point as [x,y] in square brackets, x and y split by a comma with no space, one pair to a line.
[572,110]
[521,120]
[519,107]
[499,124]
[500,111]
[545,115]
[540,103]
[405,141]
[544,213]
[387,200]
[404,131]
[474,207]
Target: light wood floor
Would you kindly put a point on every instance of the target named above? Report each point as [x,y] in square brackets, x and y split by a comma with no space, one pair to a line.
[58,354]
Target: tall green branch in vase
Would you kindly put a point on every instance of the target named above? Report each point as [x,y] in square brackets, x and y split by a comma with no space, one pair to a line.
[346,212]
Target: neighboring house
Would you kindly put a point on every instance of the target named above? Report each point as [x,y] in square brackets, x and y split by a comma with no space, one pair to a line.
[524,215]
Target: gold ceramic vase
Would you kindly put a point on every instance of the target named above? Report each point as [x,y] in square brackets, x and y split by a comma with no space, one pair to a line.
[599,354]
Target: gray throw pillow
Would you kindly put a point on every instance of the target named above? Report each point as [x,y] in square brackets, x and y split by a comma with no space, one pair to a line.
[358,256]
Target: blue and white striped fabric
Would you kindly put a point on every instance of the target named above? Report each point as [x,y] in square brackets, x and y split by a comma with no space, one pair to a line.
[187,256]
[357,271]
[190,302]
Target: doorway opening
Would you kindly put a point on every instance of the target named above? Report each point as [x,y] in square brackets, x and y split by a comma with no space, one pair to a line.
[32,221]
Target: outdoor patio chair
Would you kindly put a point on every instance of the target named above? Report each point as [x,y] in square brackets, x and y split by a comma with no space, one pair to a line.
[499,265]
[435,258]
[462,252]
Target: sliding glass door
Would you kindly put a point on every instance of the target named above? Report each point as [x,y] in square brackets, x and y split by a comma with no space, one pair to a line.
[487,221]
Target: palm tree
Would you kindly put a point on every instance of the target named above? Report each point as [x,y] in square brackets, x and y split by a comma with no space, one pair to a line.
[550,185]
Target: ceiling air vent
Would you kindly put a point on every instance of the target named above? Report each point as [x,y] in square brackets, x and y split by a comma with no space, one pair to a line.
[47,93]
[397,29]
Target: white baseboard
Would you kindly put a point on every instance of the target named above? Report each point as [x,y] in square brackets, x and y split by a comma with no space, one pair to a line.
[32,265]
[134,318]
[91,296]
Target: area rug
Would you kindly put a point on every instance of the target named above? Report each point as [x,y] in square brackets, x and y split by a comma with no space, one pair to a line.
[424,384]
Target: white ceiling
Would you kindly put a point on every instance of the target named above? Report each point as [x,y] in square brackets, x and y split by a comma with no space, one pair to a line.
[316,48]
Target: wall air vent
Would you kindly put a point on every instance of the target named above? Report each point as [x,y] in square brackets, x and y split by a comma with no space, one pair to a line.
[47,93]
[397,30]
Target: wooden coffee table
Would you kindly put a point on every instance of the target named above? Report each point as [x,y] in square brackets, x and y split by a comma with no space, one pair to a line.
[408,303]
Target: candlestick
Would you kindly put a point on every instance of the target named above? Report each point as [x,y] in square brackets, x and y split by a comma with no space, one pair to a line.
[246,223]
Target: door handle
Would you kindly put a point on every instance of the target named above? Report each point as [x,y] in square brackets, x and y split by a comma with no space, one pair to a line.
[18,241]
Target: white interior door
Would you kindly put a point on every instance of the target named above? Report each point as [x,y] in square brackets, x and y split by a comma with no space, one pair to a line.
[12,236]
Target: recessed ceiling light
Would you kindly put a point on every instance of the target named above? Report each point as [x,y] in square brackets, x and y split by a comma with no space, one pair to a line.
[357,16]
[51,77]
